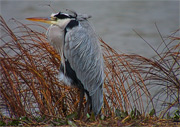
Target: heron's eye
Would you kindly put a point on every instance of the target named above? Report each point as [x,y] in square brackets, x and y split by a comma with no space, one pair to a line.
[54,18]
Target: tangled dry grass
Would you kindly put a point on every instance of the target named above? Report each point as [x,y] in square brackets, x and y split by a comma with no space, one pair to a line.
[29,86]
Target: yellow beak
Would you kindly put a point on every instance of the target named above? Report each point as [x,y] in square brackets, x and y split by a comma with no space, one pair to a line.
[48,20]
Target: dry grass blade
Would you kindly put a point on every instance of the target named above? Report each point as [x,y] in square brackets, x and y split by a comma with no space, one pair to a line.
[29,86]
[163,75]
[124,84]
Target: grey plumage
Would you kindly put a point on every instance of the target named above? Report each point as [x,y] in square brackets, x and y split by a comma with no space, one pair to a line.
[79,46]
[83,51]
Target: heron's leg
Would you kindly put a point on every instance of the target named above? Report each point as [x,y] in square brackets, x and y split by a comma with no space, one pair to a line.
[80,102]
[88,103]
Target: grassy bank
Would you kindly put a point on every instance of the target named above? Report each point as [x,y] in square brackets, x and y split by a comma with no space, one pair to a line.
[137,90]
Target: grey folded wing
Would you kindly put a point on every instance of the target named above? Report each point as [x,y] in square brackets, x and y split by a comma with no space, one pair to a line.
[82,50]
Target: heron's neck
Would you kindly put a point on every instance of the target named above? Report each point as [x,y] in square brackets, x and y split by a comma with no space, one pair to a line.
[63,23]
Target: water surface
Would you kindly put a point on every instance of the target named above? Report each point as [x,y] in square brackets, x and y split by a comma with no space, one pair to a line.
[114,21]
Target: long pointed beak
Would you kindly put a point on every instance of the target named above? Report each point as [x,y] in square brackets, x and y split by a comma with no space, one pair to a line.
[48,20]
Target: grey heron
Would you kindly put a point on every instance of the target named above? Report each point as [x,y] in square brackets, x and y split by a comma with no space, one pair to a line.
[82,62]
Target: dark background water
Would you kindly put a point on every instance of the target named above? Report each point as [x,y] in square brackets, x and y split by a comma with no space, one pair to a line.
[114,21]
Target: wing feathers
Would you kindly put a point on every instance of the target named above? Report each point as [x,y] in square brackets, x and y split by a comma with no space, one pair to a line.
[84,55]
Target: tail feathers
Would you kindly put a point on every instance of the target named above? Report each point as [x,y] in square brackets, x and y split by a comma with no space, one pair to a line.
[97,100]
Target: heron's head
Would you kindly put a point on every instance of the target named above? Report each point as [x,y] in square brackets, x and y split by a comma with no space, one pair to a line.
[61,19]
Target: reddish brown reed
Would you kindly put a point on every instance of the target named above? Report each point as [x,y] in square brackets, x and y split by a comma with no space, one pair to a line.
[29,65]
[29,86]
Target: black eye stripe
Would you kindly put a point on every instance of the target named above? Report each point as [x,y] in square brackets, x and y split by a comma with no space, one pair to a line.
[61,15]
